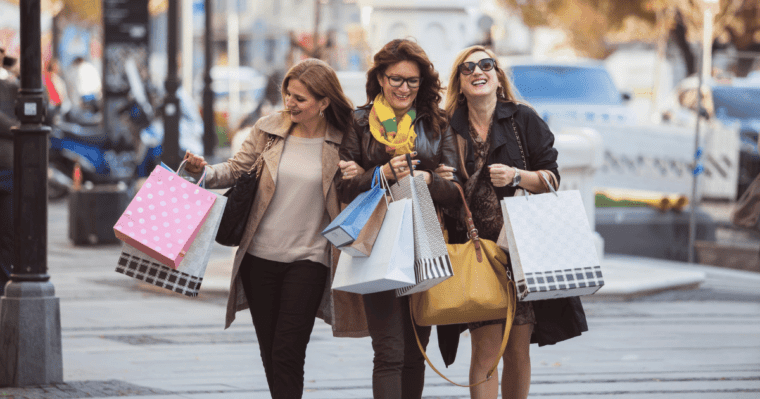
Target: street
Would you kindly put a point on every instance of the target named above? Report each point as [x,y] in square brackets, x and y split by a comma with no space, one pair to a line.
[125,338]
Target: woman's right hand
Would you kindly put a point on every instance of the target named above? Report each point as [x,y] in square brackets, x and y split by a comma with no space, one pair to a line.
[445,172]
[195,163]
[400,166]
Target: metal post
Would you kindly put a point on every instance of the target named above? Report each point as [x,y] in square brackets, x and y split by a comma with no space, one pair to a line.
[695,173]
[209,130]
[30,325]
[170,154]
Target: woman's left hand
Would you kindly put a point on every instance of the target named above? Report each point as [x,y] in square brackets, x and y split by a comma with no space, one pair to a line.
[501,175]
[350,169]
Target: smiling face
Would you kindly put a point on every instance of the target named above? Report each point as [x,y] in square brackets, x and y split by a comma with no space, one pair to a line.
[479,84]
[303,106]
[400,98]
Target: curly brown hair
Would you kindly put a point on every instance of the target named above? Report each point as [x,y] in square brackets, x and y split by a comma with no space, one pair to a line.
[429,95]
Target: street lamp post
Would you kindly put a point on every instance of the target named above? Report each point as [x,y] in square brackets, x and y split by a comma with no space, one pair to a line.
[704,74]
[209,130]
[170,151]
[30,318]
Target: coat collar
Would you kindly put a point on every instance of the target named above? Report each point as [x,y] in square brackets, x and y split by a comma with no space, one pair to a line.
[279,124]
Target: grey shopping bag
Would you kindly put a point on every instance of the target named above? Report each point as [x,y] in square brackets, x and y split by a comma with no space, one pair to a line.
[188,276]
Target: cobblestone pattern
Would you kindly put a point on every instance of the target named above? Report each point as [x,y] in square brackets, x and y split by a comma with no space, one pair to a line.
[79,389]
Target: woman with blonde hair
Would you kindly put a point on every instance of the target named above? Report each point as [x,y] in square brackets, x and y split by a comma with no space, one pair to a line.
[283,266]
[502,144]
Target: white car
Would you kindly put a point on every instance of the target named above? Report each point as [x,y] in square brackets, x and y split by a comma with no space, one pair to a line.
[580,90]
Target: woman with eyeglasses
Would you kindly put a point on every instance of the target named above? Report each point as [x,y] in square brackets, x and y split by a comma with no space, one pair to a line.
[402,116]
[502,144]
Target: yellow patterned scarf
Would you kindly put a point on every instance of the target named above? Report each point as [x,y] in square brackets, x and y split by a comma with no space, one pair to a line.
[397,136]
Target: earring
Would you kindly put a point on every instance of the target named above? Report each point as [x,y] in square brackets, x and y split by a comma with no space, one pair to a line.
[501,93]
[321,113]
[461,98]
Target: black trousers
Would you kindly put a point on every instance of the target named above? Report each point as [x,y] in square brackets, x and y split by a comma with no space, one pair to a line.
[6,238]
[283,300]
[399,367]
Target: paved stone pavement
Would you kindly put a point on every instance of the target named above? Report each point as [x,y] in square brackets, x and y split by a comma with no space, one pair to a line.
[124,338]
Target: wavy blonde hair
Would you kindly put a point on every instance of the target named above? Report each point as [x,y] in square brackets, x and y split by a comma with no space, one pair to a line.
[506,92]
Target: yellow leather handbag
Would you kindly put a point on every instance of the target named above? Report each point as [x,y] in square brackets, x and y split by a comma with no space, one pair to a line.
[480,290]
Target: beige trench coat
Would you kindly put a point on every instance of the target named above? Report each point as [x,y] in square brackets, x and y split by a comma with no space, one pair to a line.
[344,311]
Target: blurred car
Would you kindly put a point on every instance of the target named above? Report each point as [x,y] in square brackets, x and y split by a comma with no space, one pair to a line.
[732,102]
[580,90]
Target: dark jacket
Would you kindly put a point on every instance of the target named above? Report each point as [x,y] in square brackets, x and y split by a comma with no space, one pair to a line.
[556,319]
[359,146]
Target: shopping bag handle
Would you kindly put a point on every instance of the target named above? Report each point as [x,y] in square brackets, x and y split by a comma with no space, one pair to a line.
[546,182]
[384,185]
[182,166]
[511,308]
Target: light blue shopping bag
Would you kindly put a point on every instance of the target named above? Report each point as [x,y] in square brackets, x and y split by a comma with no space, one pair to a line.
[345,228]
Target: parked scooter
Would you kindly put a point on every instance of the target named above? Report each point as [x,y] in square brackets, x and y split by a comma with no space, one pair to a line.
[80,144]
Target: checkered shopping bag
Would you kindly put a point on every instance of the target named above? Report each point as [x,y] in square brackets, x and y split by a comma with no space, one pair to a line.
[186,279]
[551,245]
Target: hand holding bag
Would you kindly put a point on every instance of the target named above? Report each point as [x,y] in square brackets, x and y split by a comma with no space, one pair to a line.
[431,259]
[239,202]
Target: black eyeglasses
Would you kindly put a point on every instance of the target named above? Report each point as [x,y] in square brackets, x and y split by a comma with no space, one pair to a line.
[486,64]
[398,81]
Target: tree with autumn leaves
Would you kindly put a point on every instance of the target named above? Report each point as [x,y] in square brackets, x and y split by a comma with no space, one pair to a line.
[596,27]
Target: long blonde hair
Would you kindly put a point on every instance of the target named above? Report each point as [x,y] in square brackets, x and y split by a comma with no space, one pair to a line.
[454,100]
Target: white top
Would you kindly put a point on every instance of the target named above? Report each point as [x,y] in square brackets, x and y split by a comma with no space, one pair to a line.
[291,227]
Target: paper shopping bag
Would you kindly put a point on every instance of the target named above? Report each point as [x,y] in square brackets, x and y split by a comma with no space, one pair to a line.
[431,258]
[346,227]
[165,216]
[186,279]
[363,244]
[551,246]
[391,263]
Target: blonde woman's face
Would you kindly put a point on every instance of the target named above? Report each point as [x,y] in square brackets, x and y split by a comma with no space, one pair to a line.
[478,84]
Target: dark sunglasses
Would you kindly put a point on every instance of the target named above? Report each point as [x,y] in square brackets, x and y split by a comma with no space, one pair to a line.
[486,64]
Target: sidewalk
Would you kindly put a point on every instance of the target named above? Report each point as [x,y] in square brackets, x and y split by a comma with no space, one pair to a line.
[649,337]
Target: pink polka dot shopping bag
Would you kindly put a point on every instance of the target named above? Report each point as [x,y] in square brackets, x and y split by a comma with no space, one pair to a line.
[165,216]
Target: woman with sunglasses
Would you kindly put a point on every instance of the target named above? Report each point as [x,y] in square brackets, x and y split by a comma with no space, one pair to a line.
[402,116]
[496,136]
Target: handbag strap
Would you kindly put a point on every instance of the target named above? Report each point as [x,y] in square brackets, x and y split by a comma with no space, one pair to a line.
[472,232]
[519,142]
[260,160]
[512,292]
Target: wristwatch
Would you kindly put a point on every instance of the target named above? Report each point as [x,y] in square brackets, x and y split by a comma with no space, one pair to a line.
[516,179]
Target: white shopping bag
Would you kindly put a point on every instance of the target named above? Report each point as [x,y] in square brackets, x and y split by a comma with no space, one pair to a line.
[551,246]
[391,263]
[186,279]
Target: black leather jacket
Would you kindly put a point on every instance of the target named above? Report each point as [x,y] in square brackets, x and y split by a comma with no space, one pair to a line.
[359,146]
